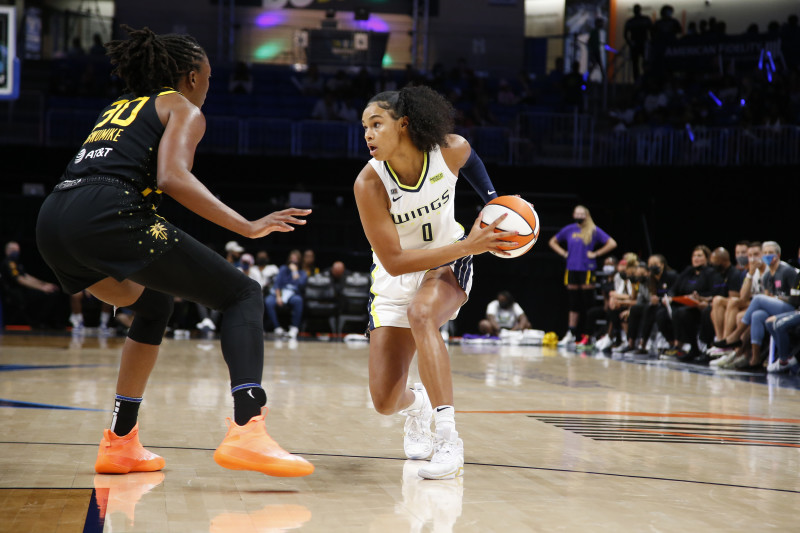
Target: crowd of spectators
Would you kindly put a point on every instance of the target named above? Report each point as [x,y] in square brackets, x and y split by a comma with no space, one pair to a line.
[29,302]
[670,89]
[720,310]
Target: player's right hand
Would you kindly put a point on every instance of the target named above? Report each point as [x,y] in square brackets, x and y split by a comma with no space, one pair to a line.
[482,240]
[277,221]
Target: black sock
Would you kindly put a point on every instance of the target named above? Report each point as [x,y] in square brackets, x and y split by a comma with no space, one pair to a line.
[248,399]
[126,412]
[574,330]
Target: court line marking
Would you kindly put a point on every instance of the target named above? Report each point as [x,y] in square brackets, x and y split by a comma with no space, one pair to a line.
[522,467]
[679,414]
[711,437]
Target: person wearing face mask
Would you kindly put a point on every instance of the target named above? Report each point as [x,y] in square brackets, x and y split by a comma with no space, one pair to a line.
[503,313]
[740,256]
[679,323]
[596,316]
[623,296]
[642,315]
[288,291]
[26,298]
[778,282]
[263,271]
[577,243]
[728,284]
[733,345]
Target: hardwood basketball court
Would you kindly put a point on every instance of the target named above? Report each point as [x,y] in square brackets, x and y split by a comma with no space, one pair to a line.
[554,441]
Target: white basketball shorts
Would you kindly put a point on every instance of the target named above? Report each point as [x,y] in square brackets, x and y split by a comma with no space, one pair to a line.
[391,295]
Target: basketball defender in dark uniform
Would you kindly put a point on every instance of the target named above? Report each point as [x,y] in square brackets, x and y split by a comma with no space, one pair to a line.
[99,230]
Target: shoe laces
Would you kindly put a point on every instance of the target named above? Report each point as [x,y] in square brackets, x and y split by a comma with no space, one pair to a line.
[415,429]
[446,450]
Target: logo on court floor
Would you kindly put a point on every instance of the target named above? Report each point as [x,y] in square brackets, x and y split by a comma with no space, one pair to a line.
[729,432]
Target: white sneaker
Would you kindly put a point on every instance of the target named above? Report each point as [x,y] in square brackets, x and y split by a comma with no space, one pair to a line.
[447,461]
[717,352]
[779,366]
[417,437]
[723,359]
[603,343]
[206,325]
[279,331]
[569,338]
[293,331]
[77,324]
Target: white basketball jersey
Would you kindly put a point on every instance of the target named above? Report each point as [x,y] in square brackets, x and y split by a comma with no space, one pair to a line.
[424,214]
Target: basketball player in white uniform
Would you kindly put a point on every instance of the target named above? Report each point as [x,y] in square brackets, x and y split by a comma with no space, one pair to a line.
[422,270]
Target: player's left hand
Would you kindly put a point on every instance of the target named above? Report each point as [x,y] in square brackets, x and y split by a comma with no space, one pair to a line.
[277,221]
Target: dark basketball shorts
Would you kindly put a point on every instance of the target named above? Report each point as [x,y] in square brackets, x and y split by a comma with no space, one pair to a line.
[93,231]
[579,277]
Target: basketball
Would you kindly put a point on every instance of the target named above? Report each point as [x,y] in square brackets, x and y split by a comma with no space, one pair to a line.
[522,217]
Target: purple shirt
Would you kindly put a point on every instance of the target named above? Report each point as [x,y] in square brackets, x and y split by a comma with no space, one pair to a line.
[576,248]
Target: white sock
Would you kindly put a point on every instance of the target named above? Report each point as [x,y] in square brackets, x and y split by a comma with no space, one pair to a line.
[419,400]
[445,421]
[104,318]
[76,318]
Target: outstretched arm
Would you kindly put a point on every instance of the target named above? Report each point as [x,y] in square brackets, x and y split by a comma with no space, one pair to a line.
[184,129]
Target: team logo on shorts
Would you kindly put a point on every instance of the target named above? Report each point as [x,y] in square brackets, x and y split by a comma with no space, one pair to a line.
[159,231]
[80,155]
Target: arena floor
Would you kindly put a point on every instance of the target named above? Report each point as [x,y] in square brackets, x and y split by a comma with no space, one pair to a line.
[554,441]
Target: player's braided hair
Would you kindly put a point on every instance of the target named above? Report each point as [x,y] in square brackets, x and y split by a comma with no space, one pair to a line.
[147,62]
[430,115]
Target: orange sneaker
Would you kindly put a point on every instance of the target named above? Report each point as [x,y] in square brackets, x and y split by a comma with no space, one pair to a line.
[120,455]
[249,447]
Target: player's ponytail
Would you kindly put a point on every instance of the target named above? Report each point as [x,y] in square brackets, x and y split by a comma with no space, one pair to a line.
[430,115]
[147,62]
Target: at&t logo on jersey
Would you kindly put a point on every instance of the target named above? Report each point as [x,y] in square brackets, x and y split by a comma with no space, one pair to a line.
[91,154]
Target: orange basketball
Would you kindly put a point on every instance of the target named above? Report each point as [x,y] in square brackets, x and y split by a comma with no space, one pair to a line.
[522,217]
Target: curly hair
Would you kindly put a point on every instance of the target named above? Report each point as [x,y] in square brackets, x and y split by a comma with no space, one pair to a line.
[147,62]
[430,115]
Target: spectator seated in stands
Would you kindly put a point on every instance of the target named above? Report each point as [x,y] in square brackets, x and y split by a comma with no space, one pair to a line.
[263,271]
[785,331]
[623,296]
[730,284]
[779,280]
[596,320]
[503,313]
[328,107]
[76,317]
[287,292]
[679,320]
[731,326]
[309,263]
[734,345]
[642,315]
[26,299]
[338,274]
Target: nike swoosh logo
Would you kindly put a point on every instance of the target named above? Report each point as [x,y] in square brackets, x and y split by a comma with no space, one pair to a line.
[395,199]
[490,192]
[440,409]
[250,393]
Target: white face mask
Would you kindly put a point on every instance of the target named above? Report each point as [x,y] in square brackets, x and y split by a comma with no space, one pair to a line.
[609,269]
